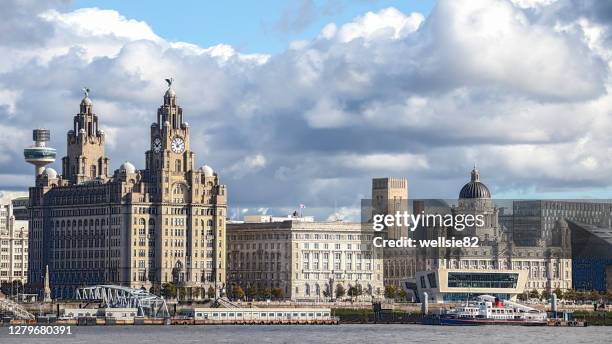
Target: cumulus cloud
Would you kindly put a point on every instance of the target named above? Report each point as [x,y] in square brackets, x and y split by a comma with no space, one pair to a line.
[520,87]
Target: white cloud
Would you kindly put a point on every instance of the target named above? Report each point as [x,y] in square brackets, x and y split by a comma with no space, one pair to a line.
[248,165]
[522,92]
[387,23]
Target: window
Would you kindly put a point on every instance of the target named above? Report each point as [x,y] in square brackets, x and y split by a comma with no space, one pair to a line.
[482,280]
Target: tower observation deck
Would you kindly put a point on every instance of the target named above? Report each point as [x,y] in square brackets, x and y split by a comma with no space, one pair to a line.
[39,154]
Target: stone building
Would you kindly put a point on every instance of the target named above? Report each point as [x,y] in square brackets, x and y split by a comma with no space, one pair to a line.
[306,260]
[13,246]
[134,227]
[547,266]
[389,196]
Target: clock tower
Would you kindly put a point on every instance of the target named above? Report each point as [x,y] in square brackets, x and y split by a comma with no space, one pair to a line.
[191,206]
[169,160]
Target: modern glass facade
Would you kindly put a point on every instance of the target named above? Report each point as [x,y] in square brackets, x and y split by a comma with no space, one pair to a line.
[482,280]
[454,297]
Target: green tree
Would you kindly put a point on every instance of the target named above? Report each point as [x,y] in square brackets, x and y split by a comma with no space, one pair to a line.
[264,293]
[277,293]
[355,291]
[534,294]
[252,291]
[168,290]
[237,292]
[390,291]
[340,291]
[403,295]
[570,295]
[545,295]
[211,292]
[594,295]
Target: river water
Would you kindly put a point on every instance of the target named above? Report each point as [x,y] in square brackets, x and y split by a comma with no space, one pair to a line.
[319,334]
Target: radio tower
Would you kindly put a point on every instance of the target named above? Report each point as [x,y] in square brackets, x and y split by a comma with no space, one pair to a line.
[39,155]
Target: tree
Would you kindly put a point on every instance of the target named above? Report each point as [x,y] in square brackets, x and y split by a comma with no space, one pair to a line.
[403,295]
[264,293]
[277,293]
[211,292]
[570,295]
[559,293]
[608,296]
[594,295]
[168,290]
[534,294]
[237,292]
[545,295]
[340,292]
[355,291]
[5,287]
[390,291]
[325,293]
[523,296]
[252,292]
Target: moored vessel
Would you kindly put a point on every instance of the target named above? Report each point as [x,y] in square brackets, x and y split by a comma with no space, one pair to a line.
[489,310]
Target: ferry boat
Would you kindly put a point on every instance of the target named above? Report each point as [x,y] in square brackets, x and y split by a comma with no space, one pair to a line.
[489,310]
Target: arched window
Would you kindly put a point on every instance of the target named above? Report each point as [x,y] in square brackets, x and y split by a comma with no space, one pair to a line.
[307,289]
[93,171]
[178,165]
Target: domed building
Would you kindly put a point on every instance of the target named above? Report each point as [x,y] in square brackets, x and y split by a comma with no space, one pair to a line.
[475,198]
[474,188]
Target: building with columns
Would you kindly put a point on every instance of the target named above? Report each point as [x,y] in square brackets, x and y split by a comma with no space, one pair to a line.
[456,274]
[307,260]
[141,228]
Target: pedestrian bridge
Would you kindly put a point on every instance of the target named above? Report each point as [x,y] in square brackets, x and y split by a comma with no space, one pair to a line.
[115,296]
[11,307]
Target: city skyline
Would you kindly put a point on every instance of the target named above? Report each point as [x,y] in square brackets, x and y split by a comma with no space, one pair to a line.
[421,95]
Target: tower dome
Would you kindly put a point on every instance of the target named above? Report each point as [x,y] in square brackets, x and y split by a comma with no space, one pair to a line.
[86,104]
[475,188]
[86,101]
[127,167]
[207,170]
[50,173]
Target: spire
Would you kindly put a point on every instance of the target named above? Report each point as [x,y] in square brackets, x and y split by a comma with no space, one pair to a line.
[475,174]
[47,290]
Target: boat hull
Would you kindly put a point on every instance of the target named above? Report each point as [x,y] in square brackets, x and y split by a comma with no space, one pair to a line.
[479,322]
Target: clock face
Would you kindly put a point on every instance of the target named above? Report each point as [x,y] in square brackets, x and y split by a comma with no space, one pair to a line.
[178,145]
[157,145]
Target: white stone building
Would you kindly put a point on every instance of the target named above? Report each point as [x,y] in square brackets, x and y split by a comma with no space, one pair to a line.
[307,260]
[13,246]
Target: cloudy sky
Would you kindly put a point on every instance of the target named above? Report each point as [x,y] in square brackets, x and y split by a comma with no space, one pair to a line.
[306,101]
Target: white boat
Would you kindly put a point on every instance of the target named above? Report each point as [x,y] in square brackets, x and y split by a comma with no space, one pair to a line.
[489,310]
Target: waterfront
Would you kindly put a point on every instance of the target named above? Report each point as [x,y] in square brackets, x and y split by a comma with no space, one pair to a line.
[318,334]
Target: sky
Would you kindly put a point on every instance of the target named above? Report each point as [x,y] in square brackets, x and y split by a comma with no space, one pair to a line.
[303,102]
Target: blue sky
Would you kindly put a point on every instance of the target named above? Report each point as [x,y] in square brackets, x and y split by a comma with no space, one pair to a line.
[265,26]
[382,92]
